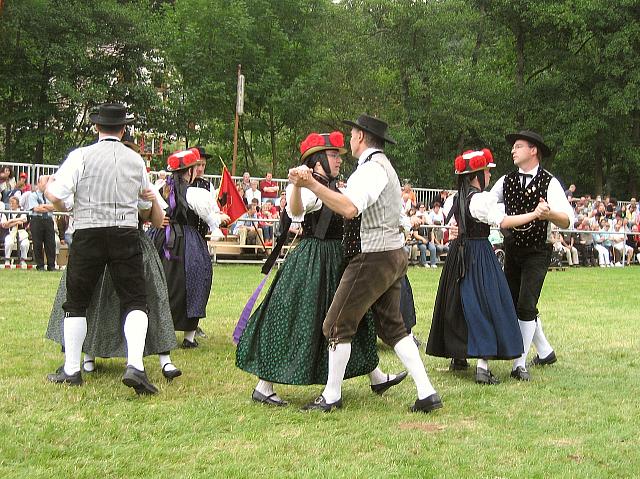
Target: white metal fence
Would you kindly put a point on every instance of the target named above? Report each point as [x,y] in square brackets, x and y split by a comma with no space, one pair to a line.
[34,171]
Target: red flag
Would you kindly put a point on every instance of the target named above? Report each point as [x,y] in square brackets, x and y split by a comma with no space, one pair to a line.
[230,201]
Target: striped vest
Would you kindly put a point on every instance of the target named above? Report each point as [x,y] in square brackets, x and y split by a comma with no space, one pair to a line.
[107,191]
[380,225]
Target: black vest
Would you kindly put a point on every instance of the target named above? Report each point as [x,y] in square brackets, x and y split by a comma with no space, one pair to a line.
[518,200]
[200,224]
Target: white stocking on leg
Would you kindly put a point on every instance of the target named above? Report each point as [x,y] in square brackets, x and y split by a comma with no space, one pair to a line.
[338,359]
[135,332]
[75,330]
[408,353]
[543,347]
[377,376]
[527,329]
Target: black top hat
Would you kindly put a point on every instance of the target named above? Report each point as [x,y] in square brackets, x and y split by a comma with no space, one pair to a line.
[371,125]
[111,114]
[533,137]
[203,154]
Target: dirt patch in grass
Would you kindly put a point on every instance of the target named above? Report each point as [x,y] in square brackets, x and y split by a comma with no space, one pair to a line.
[422,426]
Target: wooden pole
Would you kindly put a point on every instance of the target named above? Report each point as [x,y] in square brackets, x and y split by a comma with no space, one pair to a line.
[235,131]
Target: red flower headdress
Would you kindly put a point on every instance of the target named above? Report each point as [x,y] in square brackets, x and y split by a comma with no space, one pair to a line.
[471,161]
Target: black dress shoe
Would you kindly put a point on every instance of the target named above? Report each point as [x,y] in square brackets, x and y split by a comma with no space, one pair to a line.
[61,377]
[427,404]
[538,361]
[382,387]
[171,373]
[271,400]
[320,404]
[485,376]
[186,344]
[138,380]
[520,374]
[458,365]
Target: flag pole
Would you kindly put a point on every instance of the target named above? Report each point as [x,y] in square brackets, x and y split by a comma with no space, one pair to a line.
[239,111]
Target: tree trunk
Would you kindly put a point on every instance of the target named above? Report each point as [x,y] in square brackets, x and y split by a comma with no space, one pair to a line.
[598,171]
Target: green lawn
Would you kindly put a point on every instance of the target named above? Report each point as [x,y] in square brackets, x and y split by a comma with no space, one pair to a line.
[577,418]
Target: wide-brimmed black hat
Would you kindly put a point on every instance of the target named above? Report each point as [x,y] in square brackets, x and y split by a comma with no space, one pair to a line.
[111,114]
[531,136]
[203,154]
[371,125]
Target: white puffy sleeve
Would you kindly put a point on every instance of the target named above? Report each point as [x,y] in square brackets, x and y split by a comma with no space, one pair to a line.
[484,207]
[203,204]
[310,203]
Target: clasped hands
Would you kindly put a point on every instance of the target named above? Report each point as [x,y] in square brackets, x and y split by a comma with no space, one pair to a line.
[543,210]
[301,176]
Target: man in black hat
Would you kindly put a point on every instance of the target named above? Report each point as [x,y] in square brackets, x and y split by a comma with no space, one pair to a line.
[106,181]
[377,264]
[528,248]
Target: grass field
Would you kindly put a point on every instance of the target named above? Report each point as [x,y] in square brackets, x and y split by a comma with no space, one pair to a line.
[577,418]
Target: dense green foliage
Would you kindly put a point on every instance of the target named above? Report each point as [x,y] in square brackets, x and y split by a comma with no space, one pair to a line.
[575,419]
[447,75]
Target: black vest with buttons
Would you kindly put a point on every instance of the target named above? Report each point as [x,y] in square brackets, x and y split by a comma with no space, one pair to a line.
[519,200]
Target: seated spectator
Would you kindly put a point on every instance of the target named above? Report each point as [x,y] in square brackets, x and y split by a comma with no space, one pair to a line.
[422,243]
[247,230]
[441,198]
[598,244]
[406,188]
[17,236]
[568,243]
[620,246]
[436,218]
[422,211]
[7,184]
[253,193]
[269,188]
[246,182]
[584,244]
[20,186]
[265,212]
[407,204]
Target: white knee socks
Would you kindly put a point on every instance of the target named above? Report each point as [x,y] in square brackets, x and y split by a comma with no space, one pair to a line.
[543,347]
[408,353]
[483,364]
[75,330]
[527,328]
[190,335]
[135,332]
[338,359]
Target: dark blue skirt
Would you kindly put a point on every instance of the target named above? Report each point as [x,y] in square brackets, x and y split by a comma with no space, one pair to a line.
[492,323]
[474,317]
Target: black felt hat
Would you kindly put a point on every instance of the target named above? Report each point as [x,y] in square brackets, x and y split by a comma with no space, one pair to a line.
[531,136]
[111,114]
[371,125]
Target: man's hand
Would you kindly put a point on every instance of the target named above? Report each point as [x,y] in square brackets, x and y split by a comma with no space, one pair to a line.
[542,210]
[224,219]
[148,194]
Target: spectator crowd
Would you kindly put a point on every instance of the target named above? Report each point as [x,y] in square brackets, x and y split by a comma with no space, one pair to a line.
[606,233]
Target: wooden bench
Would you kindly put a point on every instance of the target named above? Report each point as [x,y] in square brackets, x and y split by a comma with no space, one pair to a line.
[232,252]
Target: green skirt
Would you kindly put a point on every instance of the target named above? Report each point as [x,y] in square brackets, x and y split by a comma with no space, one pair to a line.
[283,341]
